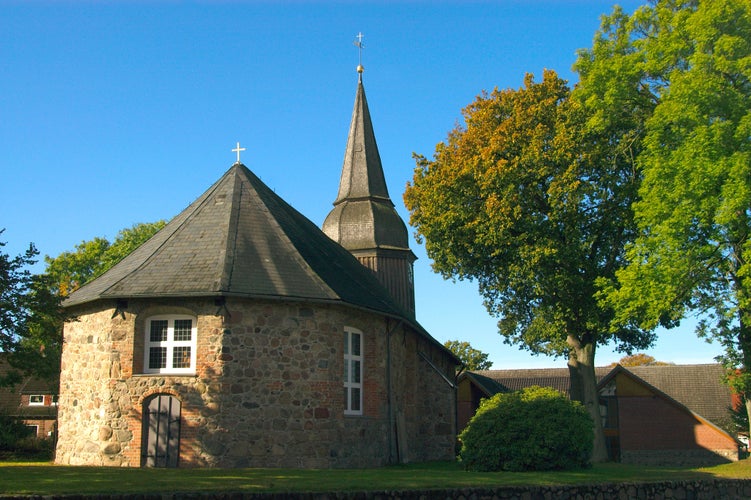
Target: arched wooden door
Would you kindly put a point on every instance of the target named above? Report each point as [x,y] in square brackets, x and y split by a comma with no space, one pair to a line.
[161,431]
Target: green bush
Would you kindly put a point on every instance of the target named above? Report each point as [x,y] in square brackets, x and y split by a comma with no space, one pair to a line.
[18,442]
[537,428]
[12,433]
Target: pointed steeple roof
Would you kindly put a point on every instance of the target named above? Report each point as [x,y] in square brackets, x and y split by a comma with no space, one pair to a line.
[241,239]
[364,217]
[362,172]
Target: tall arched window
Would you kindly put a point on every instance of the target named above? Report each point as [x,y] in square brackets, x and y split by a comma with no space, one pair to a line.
[353,366]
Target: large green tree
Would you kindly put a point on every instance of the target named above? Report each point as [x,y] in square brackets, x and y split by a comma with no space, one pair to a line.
[640,359]
[30,319]
[15,280]
[72,269]
[532,201]
[693,251]
[473,359]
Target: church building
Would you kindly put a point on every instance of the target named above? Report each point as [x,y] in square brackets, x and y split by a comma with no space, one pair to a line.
[241,335]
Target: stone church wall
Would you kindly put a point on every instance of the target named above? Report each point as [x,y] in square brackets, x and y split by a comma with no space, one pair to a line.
[267,391]
[102,387]
[84,388]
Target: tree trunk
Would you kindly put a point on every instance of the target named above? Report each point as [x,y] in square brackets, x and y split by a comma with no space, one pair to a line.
[742,293]
[581,365]
[744,342]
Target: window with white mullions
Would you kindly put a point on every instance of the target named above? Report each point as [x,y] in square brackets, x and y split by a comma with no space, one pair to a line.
[170,345]
[353,366]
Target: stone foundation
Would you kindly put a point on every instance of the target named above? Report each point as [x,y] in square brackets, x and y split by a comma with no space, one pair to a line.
[678,458]
[711,489]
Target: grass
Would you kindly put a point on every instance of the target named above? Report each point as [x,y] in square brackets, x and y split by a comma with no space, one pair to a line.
[48,479]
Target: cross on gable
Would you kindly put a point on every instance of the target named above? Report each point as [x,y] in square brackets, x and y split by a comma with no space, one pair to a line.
[237,150]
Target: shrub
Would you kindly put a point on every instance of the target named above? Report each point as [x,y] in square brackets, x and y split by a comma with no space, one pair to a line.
[12,433]
[18,442]
[537,428]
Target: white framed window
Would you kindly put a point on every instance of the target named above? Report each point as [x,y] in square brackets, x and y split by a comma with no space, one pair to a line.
[36,400]
[33,430]
[353,367]
[170,344]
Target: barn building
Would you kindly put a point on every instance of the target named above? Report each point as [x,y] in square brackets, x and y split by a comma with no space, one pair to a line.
[677,415]
[241,335]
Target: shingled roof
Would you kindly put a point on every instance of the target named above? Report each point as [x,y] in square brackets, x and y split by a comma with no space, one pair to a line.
[697,387]
[241,239]
[515,380]
[363,216]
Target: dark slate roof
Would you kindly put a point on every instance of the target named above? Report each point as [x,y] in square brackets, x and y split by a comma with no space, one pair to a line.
[362,172]
[240,239]
[486,384]
[515,380]
[364,217]
[698,387]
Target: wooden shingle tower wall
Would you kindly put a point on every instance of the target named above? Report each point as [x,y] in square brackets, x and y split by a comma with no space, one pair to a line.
[364,220]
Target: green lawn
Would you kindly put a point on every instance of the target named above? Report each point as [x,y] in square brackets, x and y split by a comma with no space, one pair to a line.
[45,479]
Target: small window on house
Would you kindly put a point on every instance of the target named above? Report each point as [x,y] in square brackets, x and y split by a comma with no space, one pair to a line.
[609,412]
[353,364]
[170,345]
[36,400]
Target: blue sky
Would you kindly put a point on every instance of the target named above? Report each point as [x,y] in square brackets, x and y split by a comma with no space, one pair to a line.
[114,113]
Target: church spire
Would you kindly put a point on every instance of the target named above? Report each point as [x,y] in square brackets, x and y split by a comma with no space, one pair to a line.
[362,172]
[364,220]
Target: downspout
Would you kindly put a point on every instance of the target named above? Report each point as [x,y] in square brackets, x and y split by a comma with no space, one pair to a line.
[389,391]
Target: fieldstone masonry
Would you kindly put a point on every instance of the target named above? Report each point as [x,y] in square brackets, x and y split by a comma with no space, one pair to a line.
[267,392]
[708,489]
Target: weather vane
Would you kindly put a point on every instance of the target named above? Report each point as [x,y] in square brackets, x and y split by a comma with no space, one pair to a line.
[360,46]
[237,150]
